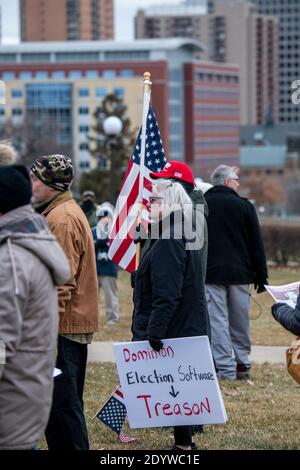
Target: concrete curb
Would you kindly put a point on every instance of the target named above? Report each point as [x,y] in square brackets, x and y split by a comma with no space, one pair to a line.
[101,351]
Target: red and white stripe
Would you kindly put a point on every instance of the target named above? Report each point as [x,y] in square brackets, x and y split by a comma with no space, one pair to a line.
[126,439]
[122,250]
[118,394]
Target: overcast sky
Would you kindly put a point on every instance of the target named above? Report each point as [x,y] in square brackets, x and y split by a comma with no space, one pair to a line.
[125,11]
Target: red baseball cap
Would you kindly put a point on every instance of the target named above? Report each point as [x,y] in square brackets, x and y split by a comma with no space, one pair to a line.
[177,171]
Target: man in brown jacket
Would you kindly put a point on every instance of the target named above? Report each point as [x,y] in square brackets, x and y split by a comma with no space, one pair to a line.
[51,178]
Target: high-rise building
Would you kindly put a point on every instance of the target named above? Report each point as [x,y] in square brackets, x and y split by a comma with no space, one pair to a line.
[288,14]
[66,20]
[239,34]
[163,21]
[196,102]
[233,32]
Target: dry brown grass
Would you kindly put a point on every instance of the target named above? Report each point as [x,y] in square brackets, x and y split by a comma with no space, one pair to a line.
[264,330]
[263,414]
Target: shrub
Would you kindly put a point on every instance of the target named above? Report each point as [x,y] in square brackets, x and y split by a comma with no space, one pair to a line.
[282,242]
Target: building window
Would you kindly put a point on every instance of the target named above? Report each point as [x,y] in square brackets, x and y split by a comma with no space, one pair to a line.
[41,75]
[6,58]
[83,92]
[175,75]
[25,75]
[119,92]
[6,76]
[101,92]
[175,93]
[127,73]
[51,102]
[84,165]
[84,146]
[109,74]
[126,55]
[76,56]
[35,57]
[58,75]
[84,129]
[16,93]
[91,74]
[83,110]
[17,112]
[2,112]
[74,74]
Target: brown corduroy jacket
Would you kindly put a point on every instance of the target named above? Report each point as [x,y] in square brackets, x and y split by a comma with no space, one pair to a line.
[78,298]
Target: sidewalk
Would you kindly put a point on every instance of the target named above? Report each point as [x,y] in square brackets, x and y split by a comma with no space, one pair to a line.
[102,352]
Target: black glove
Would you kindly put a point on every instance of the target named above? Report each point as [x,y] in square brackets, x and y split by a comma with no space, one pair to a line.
[140,234]
[155,343]
[259,286]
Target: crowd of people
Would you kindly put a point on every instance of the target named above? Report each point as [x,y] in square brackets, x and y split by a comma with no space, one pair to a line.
[54,258]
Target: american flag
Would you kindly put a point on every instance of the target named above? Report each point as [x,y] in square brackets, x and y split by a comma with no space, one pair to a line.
[113,415]
[122,248]
[126,439]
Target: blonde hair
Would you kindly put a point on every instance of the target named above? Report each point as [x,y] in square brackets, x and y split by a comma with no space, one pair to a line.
[8,153]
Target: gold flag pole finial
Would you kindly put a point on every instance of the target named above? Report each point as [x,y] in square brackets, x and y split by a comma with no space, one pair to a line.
[147,82]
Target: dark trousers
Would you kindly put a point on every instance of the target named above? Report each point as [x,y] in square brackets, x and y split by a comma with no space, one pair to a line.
[66,429]
[183,435]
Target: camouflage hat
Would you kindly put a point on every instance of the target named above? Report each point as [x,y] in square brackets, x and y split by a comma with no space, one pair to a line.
[55,171]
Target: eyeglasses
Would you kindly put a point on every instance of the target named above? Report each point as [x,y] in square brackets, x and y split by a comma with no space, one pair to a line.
[154,199]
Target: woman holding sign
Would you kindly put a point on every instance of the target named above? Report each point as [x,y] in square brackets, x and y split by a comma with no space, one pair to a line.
[169,298]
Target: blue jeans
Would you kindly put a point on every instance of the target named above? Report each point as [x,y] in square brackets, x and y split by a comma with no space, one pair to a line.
[66,429]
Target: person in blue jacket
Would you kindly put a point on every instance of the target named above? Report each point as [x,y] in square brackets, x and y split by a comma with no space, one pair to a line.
[106,269]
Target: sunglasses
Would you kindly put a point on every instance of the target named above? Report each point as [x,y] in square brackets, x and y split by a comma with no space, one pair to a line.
[153,199]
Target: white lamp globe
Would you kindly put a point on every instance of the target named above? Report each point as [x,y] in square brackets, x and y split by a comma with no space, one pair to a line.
[112,125]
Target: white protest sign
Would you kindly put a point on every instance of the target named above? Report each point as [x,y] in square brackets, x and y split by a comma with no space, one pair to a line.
[173,387]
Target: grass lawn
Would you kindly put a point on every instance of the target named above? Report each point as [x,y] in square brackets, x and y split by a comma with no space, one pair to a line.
[263,414]
[264,329]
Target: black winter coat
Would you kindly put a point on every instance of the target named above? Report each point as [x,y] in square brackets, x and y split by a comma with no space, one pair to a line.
[288,317]
[236,252]
[169,298]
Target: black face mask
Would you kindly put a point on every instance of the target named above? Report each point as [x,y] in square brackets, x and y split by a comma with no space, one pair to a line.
[87,206]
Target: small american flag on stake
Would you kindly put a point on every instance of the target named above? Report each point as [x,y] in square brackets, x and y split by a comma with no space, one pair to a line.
[113,415]
[148,156]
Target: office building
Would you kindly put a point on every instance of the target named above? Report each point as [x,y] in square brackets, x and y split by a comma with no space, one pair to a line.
[232,32]
[196,102]
[66,20]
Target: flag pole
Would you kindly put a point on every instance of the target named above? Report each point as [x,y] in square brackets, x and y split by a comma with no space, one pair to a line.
[146,102]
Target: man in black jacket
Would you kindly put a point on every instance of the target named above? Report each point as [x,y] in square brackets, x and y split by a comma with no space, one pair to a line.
[236,258]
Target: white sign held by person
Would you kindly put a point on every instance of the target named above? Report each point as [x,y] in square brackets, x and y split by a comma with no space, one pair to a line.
[173,387]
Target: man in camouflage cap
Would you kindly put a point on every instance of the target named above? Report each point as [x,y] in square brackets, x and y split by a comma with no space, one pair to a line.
[51,178]
[55,171]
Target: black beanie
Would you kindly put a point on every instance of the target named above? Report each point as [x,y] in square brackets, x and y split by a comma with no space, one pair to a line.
[15,187]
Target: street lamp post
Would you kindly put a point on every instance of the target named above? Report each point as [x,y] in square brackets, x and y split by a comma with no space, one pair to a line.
[112,127]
